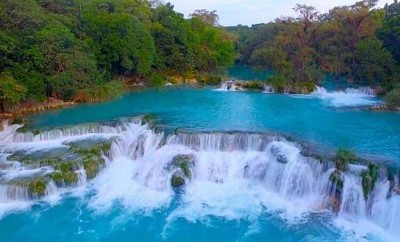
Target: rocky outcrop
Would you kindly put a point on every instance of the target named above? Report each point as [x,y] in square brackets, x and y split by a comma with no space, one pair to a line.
[64,167]
[182,165]
[369,179]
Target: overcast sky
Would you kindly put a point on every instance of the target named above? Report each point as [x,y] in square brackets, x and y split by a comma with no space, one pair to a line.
[247,12]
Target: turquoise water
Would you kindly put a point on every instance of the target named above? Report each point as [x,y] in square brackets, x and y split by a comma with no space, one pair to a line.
[309,119]
[113,208]
[72,220]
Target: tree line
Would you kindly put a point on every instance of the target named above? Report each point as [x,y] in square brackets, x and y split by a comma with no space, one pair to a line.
[60,48]
[360,43]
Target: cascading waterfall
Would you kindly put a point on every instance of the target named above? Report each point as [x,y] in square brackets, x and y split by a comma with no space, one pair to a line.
[269,89]
[362,96]
[228,86]
[143,166]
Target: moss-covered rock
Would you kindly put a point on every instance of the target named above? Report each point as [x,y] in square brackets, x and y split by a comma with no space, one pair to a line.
[96,150]
[251,85]
[93,166]
[343,158]
[184,163]
[64,178]
[369,179]
[177,180]
[337,180]
[37,188]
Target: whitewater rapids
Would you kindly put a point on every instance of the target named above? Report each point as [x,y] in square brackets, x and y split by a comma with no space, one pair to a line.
[235,176]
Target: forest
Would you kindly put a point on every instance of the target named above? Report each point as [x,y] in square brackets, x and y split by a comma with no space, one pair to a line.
[80,50]
[358,43]
[67,49]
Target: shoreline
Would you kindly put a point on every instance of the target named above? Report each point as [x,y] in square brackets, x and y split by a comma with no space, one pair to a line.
[30,107]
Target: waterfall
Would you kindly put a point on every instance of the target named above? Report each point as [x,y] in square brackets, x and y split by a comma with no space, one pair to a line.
[222,174]
[8,133]
[363,96]
[228,86]
[269,89]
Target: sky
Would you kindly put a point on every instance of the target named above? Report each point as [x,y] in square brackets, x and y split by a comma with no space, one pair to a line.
[248,12]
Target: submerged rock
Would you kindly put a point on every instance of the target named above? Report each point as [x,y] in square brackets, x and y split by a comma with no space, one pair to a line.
[280,156]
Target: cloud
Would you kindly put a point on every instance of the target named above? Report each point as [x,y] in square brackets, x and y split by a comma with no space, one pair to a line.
[233,12]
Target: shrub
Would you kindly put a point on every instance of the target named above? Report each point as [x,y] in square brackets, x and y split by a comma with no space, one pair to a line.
[343,158]
[278,82]
[393,98]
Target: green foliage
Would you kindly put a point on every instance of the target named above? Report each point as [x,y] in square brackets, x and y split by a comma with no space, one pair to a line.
[71,50]
[37,188]
[10,91]
[393,98]
[157,80]
[358,42]
[17,120]
[278,82]
[343,157]
[369,179]
[106,91]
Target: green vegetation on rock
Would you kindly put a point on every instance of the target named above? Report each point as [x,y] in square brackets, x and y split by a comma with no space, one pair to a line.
[369,179]
[37,187]
[177,181]
[183,164]
[337,179]
[342,158]
[87,50]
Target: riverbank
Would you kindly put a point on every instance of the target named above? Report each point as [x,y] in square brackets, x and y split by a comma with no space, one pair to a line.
[108,91]
[33,107]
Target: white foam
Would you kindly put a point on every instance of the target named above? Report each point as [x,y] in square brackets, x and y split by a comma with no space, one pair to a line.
[235,176]
[228,86]
[348,98]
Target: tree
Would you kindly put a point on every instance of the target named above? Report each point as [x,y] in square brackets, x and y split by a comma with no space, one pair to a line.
[11,92]
[209,17]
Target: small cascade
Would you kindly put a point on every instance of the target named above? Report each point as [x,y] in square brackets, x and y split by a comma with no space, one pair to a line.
[222,141]
[13,193]
[64,133]
[269,89]
[363,96]
[361,90]
[353,203]
[8,133]
[228,86]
